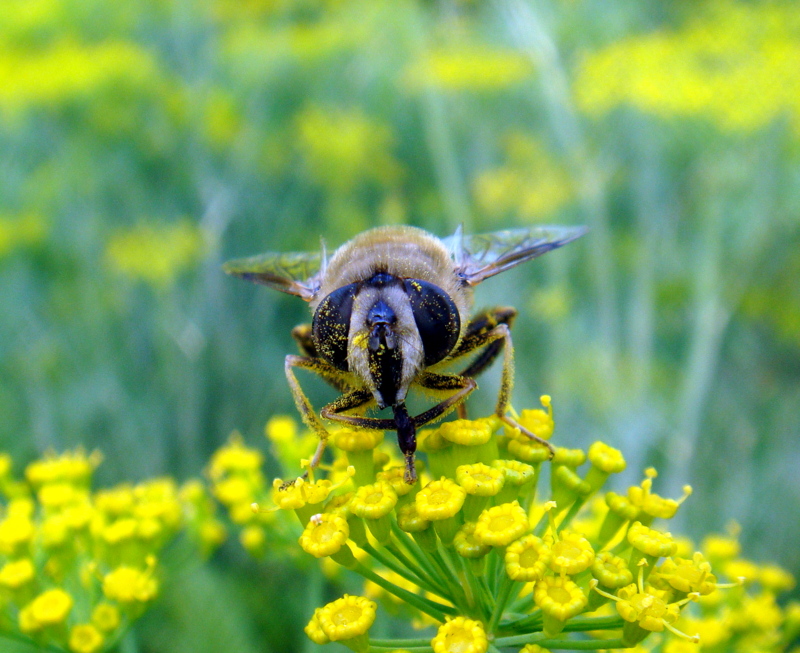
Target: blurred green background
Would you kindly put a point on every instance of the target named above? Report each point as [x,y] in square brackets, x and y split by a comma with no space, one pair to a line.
[144,142]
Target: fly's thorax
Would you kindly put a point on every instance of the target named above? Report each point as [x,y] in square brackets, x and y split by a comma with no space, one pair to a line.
[384,346]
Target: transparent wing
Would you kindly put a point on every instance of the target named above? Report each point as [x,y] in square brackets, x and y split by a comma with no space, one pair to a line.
[296,273]
[482,256]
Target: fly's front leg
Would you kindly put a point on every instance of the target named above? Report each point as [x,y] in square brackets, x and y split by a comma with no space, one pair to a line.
[304,407]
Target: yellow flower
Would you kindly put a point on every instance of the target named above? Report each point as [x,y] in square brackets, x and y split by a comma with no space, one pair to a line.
[775,578]
[501,525]
[75,467]
[558,597]
[466,432]
[647,607]
[253,540]
[606,458]
[346,618]
[466,545]
[650,503]
[105,617]
[314,630]
[688,575]
[479,479]
[651,542]
[373,501]
[611,571]
[156,253]
[719,548]
[300,494]
[120,531]
[15,533]
[572,553]
[128,585]
[409,520]
[394,476]
[116,501]
[58,495]
[569,457]
[440,499]
[515,473]
[281,428]
[324,535]
[17,573]
[85,638]
[537,421]
[51,608]
[526,559]
[352,440]
[234,457]
[460,635]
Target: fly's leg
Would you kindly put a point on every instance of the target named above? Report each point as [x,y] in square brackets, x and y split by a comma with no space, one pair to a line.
[304,407]
[500,337]
[475,336]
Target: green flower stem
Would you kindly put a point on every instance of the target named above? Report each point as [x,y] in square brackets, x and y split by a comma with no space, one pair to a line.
[431,608]
[414,551]
[401,643]
[410,649]
[560,644]
[531,621]
[574,509]
[398,569]
[503,594]
[434,585]
[364,466]
[16,637]
[448,574]
[580,624]
[482,598]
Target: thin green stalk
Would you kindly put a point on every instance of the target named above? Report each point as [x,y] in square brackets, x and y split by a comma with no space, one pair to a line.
[431,608]
[433,584]
[506,585]
[400,643]
[410,649]
[561,644]
[398,569]
[414,551]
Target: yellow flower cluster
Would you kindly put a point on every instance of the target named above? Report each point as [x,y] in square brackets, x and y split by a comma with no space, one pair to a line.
[77,566]
[471,549]
[156,254]
[734,63]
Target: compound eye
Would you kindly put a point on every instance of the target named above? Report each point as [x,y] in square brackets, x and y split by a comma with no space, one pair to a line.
[331,325]
[437,318]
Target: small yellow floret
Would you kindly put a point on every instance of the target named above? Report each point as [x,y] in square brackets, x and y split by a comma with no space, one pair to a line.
[526,559]
[466,545]
[559,597]
[651,542]
[51,608]
[515,473]
[106,617]
[440,499]
[572,553]
[409,520]
[314,630]
[460,635]
[611,571]
[347,617]
[501,525]
[688,575]
[130,585]
[466,432]
[234,457]
[373,501]
[479,479]
[353,440]
[324,535]
[395,476]
[85,638]
[280,428]
[17,573]
[299,494]
[606,458]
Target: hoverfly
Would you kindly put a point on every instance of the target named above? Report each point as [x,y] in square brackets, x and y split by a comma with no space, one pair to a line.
[391,308]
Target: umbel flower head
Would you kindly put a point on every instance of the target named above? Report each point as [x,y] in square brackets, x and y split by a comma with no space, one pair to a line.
[475,551]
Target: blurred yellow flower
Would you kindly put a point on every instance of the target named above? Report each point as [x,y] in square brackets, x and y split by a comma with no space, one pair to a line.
[735,63]
[155,253]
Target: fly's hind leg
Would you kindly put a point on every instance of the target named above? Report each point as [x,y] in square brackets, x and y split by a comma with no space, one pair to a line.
[304,407]
[475,337]
[500,337]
